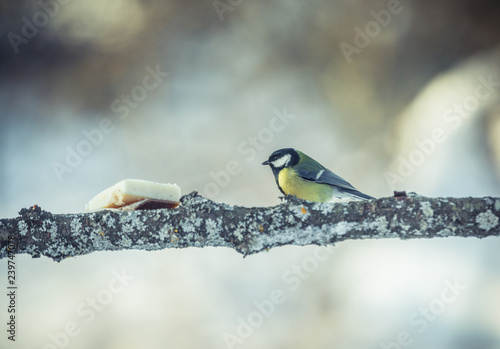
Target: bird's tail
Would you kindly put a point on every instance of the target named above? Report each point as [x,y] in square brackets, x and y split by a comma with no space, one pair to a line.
[357,195]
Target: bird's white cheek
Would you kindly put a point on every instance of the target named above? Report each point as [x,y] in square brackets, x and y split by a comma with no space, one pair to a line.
[282,161]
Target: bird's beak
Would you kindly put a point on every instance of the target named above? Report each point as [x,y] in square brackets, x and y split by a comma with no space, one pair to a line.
[265,162]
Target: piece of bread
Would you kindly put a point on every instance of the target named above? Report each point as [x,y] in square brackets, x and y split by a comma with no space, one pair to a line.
[129,191]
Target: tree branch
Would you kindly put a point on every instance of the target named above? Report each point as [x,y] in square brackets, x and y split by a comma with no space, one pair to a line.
[199,222]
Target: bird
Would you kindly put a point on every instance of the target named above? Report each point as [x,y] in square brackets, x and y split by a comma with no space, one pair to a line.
[300,175]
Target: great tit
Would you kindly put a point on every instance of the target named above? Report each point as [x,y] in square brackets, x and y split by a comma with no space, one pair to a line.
[300,175]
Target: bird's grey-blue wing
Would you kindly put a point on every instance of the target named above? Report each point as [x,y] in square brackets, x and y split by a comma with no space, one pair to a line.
[323,175]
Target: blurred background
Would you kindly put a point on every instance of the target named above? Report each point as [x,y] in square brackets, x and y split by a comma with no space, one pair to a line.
[390,95]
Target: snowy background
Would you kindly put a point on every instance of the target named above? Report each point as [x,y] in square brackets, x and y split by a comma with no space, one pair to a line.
[387,94]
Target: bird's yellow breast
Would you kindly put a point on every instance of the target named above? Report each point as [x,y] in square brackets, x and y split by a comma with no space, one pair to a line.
[293,184]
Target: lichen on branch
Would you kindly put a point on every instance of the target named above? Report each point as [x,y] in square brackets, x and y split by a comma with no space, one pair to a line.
[200,222]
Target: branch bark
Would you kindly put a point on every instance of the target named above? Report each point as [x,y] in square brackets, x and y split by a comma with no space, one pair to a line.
[199,222]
